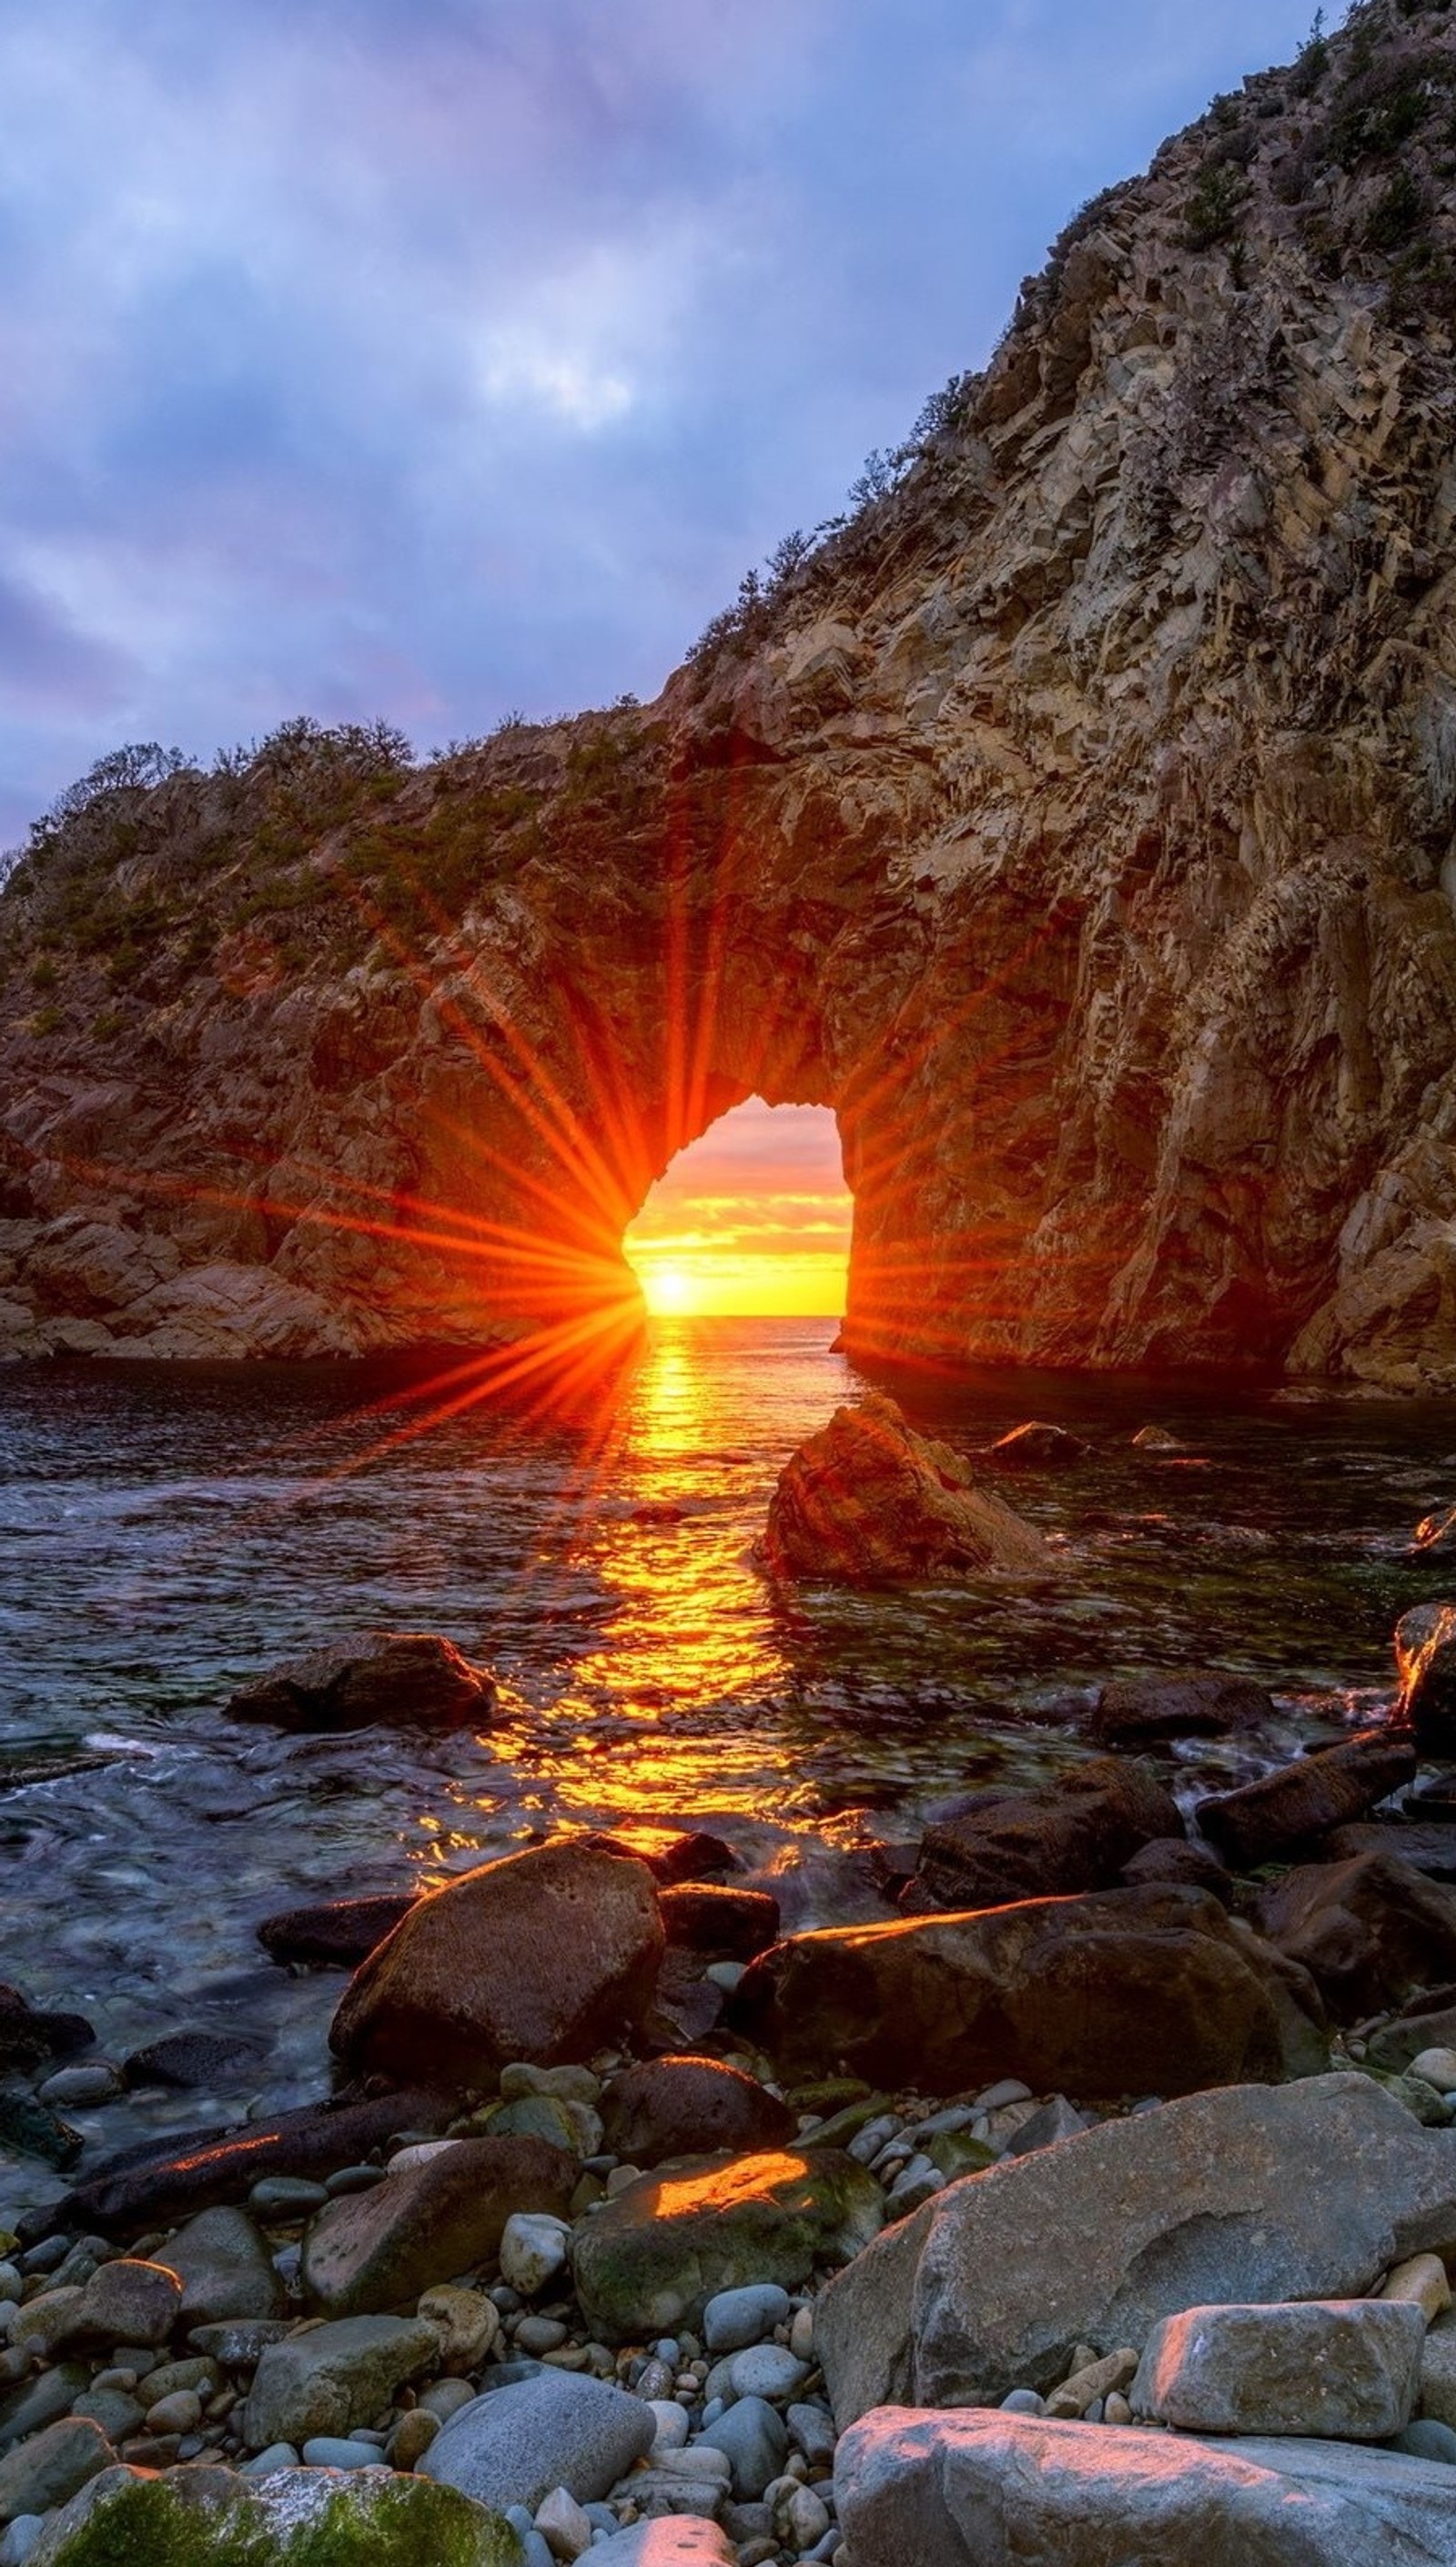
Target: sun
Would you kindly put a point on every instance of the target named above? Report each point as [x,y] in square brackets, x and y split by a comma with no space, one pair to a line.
[665,1289]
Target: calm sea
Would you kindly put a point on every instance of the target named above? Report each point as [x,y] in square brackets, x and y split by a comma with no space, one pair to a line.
[167,1531]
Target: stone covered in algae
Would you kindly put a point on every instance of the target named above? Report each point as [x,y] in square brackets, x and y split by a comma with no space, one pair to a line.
[211,2518]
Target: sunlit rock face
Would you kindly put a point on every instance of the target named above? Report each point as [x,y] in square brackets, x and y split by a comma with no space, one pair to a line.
[1076,823]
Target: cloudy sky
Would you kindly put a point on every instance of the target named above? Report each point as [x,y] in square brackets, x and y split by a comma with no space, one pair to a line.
[441,357]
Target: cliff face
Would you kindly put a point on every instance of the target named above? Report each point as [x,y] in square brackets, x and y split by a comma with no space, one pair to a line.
[1077,821]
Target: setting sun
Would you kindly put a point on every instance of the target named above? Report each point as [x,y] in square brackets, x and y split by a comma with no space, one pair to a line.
[751,1220]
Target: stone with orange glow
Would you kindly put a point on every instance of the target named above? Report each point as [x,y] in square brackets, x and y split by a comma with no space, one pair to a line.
[404,1676]
[543,1956]
[1076,1834]
[868,1501]
[1425,1663]
[1286,1811]
[1004,2490]
[1135,1991]
[650,2260]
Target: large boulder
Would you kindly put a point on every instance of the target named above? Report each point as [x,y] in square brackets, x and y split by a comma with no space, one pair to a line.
[688,2106]
[1023,2491]
[648,2262]
[1255,2193]
[1369,1930]
[409,1676]
[1289,1810]
[1425,1663]
[726,1924]
[1075,1835]
[1151,1990]
[214,2517]
[543,1956]
[869,1503]
[440,2216]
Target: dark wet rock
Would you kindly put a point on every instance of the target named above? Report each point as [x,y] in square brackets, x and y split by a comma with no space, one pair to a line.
[1153,1990]
[1075,1835]
[650,2260]
[1435,1535]
[915,2487]
[30,2129]
[428,2221]
[192,2059]
[1036,1447]
[1156,1439]
[1135,1711]
[1179,1859]
[726,1924]
[687,2005]
[1368,1930]
[1282,1813]
[225,2268]
[1425,1664]
[29,2036]
[869,1503]
[545,1957]
[1427,1846]
[406,1676]
[670,1854]
[340,1931]
[1253,2193]
[20,1773]
[222,2166]
[687,2107]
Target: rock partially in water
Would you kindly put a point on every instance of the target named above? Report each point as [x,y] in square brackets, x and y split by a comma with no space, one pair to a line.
[1425,1664]
[1288,1811]
[1369,1930]
[439,2217]
[649,2263]
[547,1955]
[690,2107]
[1135,1711]
[340,1932]
[194,2174]
[1074,1836]
[31,2130]
[1123,1992]
[724,1924]
[1036,1447]
[916,2486]
[1254,2193]
[670,1854]
[195,2059]
[867,1502]
[406,1676]
[29,2036]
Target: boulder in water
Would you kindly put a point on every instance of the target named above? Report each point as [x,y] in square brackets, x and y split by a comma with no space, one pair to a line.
[1037,1447]
[406,1676]
[1425,1662]
[1134,1711]
[869,1503]
[1291,1808]
[1073,1836]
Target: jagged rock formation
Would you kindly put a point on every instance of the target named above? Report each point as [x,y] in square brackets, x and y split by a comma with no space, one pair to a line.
[1076,822]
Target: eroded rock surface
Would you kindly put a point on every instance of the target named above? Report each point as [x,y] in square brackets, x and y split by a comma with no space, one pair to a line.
[1075,820]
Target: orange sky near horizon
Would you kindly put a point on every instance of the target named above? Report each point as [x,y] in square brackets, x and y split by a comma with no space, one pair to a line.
[751,1220]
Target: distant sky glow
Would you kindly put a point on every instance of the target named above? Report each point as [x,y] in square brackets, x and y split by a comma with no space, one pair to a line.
[440,358]
[754,1217]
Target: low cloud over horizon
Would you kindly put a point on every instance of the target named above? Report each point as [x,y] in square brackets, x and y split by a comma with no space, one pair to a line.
[437,362]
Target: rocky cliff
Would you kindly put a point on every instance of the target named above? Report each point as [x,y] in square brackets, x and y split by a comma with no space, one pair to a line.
[1077,819]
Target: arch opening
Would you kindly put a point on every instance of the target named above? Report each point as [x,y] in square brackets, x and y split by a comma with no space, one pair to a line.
[753,1218]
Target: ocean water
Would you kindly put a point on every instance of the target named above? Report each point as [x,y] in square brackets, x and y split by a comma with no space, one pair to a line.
[167,1532]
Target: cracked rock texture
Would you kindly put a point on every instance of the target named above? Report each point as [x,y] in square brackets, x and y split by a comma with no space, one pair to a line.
[1077,820]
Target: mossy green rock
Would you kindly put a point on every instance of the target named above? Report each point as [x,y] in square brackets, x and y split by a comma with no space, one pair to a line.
[648,2262]
[211,2517]
[535,2117]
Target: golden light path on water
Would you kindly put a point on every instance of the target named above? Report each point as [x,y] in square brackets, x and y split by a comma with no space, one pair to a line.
[688,1623]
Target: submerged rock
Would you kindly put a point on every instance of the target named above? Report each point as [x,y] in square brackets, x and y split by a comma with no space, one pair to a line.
[411,1676]
[1074,1836]
[724,1924]
[192,2059]
[869,1503]
[543,1956]
[1252,2193]
[650,2260]
[29,2036]
[1036,1447]
[1141,1991]
[1136,1710]
[993,2489]
[1287,1811]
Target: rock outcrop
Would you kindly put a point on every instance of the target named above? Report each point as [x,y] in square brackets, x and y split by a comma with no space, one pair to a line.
[1075,820]
[869,1503]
